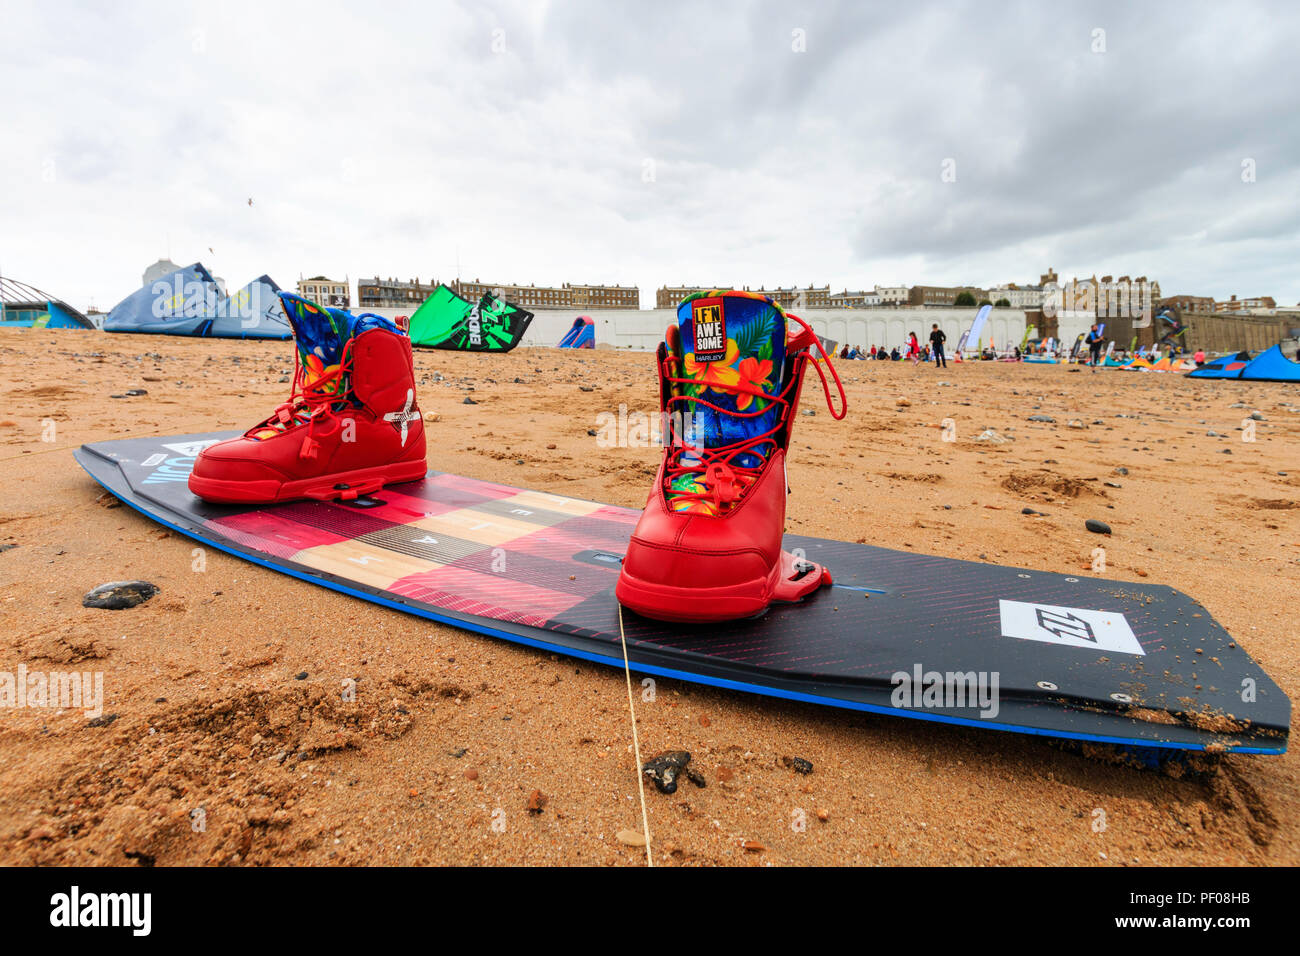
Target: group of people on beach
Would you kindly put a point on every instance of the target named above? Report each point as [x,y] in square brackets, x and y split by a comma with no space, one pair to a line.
[912,350]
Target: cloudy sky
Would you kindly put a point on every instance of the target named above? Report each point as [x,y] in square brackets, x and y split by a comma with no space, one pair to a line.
[650,143]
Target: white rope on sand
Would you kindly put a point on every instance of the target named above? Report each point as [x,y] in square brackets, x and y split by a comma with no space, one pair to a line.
[636,742]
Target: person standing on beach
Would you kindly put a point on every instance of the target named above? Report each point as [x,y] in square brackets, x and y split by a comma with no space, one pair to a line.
[937,338]
[913,348]
[1094,346]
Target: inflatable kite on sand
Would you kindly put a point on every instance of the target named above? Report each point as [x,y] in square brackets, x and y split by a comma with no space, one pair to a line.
[446,321]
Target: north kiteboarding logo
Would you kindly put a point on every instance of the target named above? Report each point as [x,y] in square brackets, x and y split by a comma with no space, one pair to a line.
[404,415]
[709,331]
[1100,631]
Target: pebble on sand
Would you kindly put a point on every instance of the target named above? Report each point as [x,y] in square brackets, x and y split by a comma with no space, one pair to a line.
[119,595]
[1097,527]
[664,768]
[631,837]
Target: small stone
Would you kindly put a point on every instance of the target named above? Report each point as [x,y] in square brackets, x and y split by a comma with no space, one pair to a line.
[102,721]
[536,801]
[664,768]
[798,764]
[119,595]
[630,837]
[301,675]
[471,774]
[137,391]
[1097,527]
[902,403]
[753,846]
[1042,418]
[1254,416]
[1031,511]
[1121,471]
[469,401]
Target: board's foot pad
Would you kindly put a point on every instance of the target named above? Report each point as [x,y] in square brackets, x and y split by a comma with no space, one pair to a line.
[344,485]
[791,580]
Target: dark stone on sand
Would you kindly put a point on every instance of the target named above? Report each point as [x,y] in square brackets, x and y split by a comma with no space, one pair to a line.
[1097,527]
[119,595]
[301,675]
[1121,471]
[663,769]
[137,391]
[1042,418]
[1031,511]
[798,764]
[469,401]
[102,721]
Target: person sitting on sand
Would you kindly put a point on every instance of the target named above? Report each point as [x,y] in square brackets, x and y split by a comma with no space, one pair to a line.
[1199,357]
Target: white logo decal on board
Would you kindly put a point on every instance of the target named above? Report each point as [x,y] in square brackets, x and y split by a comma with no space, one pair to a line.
[1104,632]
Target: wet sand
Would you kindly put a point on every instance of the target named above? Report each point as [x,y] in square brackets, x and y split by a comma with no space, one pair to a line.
[218,752]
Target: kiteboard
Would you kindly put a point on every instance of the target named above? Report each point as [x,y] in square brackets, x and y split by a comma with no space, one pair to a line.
[1068,656]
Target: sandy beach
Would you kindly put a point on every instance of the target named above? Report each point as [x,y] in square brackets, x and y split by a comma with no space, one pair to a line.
[224,741]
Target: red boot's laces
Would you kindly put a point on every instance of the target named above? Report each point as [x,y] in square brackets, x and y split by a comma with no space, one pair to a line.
[311,404]
[725,481]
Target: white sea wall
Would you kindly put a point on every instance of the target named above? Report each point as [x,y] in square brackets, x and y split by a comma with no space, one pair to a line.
[644,328]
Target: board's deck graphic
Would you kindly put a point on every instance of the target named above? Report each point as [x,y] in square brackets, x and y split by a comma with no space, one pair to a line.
[1073,657]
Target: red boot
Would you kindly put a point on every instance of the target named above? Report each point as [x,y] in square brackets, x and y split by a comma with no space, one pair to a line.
[708,545]
[351,424]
